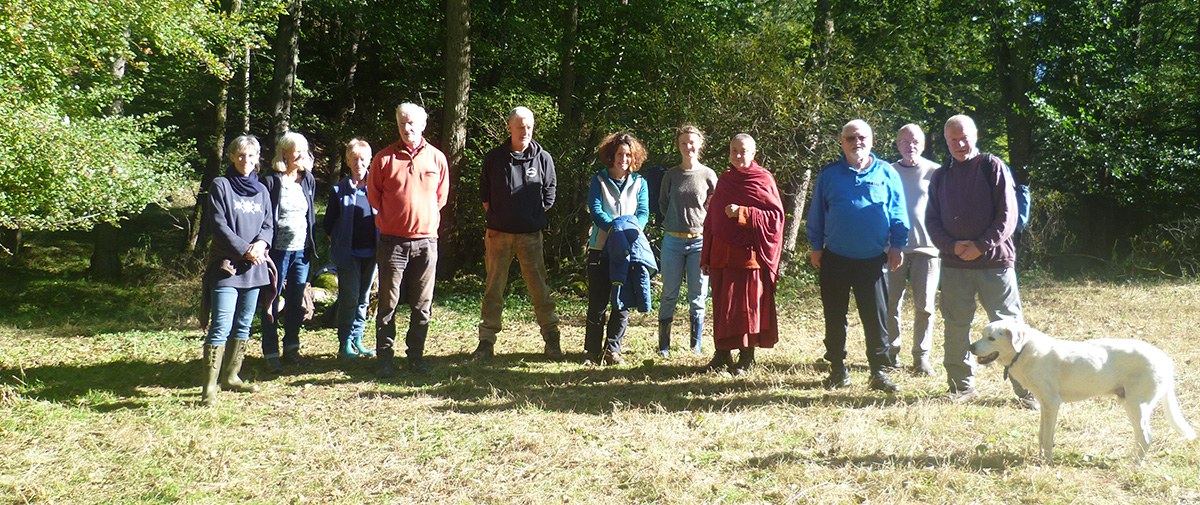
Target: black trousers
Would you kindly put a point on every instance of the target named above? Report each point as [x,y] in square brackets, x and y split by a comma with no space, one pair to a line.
[869,281]
[599,299]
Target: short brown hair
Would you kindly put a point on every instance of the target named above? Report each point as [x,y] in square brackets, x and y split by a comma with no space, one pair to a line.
[608,149]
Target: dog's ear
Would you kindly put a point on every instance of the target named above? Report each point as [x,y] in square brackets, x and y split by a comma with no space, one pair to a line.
[1017,334]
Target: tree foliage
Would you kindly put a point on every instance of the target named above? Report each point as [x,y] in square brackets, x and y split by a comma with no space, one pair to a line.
[1096,100]
[60,174]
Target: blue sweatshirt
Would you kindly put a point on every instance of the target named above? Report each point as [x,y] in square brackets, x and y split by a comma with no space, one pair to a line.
[858,214]
[350,223]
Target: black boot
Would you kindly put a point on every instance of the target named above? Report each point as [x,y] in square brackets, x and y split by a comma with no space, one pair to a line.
[721,360]
[837,377]
[880,382]
[235,352]
[744,362]
[383,363]
[213,355]
[664,337]
[593,342]
[486,349]
[697,333]
[416,348]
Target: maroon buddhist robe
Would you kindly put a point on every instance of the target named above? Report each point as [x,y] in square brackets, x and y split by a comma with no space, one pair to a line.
[742,255]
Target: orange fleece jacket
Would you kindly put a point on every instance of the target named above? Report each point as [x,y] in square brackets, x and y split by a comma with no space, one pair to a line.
[408,192]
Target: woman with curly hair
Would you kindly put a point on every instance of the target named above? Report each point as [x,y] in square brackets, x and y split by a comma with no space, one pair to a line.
[616,192]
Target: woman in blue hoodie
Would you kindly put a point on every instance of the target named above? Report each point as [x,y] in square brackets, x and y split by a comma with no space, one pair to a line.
[615,191]
[350,225]
[291,186]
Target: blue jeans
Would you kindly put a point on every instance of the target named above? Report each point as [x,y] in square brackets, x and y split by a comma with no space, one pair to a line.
[232,314]
[354,296]
[293,267]
[677,254]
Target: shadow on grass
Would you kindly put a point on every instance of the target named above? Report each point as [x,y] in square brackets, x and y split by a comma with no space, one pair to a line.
[102,387]
[966,460]
[514,381]
[517,381]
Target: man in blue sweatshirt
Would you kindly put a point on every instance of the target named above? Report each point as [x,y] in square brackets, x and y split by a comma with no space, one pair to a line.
[517,187]
[971,217]
[857,225]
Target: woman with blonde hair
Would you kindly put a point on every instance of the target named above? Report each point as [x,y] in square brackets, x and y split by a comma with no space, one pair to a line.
[683,198]
[353,239]
[291,186]
[239,214]
[616,192]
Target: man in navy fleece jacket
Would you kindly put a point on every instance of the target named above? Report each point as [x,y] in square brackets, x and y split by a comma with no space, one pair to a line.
[971,217]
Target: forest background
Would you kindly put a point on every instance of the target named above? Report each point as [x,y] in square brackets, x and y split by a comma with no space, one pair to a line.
[109,106]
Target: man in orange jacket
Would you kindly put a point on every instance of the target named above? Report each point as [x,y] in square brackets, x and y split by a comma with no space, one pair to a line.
[408,185]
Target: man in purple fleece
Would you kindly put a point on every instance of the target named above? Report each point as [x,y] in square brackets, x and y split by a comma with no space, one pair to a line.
[971,217]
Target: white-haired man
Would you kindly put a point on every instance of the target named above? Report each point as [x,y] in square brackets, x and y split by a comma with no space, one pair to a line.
[971,217]
[517,187]
[921,267]
[408,184]
[857,225]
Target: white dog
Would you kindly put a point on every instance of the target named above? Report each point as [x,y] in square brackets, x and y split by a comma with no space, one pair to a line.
[1058,371]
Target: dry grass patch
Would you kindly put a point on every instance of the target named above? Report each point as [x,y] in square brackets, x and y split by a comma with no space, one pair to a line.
[112,418]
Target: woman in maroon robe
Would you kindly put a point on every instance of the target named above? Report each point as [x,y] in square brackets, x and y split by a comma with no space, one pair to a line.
[743,239]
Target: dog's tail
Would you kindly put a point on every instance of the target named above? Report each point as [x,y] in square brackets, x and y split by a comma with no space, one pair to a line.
[1175,415]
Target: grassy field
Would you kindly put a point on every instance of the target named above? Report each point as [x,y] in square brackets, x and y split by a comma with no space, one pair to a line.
[98,391]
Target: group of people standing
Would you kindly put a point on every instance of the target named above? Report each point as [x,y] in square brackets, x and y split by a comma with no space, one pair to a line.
[867,217]
[875,227]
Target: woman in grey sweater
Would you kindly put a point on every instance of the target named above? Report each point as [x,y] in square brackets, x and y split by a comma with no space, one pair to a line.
[683,198]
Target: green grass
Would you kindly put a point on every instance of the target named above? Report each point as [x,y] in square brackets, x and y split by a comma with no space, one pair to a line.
[98,405]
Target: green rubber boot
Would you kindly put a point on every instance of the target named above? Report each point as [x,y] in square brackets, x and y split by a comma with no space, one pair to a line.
[213,355]
[358,347]
[235,352]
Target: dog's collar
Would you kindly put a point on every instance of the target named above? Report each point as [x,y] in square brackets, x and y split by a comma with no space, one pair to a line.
[1013,362]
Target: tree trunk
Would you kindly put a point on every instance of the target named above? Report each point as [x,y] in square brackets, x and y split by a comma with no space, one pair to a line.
[10,241]
[791,234]
[246,91]
[106,253]
[215,152]
[287,59]
[1015,82]
[346,101]
[796,203]
[822,34]
[566,90]
[605,93]
[454,124]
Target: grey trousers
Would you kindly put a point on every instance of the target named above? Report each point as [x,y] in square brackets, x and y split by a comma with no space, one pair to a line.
[998,294]
[406,274]
[922,272]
